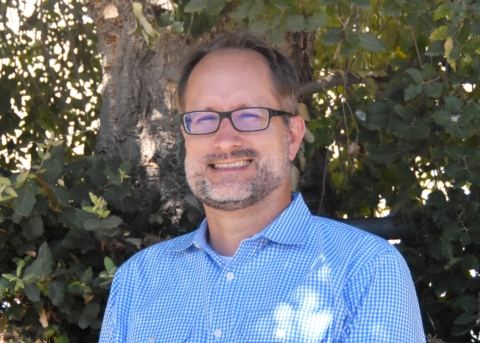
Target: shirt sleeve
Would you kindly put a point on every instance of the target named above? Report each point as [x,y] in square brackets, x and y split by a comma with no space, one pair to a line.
[112,329]
[383,303]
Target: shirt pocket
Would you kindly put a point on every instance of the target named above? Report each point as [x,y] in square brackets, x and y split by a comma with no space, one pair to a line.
[285,324]
[160,330]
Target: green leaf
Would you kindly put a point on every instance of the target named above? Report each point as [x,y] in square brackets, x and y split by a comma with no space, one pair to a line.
[32,291]
[371,43]
[91,310]
[390,8]
[442,11]
[60,195]
[283,4]
[475,28]
[433,89]
[4,181]
[15,311]
[57,142]
[334,35]
[378,115]
[23,204]
[110,222]
[87,276]
[32,227]
[56,292]
[260,25]
[84,215]
[69,218]
[440,33]
[97,178]
[126,167]
[83,322]
[294,22]
[412,91]
[453,261]
[436,48]
[316,21]
[241,11]
[62,339]
[385,153]
[21,178]
[195,6]
[467,303]
[109,265]
[214,7]
[465,318]
[415,74]
[407,113]
[75,287]
[91,224]
[42,266]
[361,3]
[11,191]
[9,277]
[414,131]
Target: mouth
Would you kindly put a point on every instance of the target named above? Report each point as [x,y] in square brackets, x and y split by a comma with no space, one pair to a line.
[238,164]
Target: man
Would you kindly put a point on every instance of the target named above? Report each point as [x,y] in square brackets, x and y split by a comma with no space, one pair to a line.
[260,268]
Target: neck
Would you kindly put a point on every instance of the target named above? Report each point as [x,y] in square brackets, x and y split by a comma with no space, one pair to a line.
[227,229]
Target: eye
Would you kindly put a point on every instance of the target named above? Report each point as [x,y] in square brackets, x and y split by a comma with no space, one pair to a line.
[249,115]
[207,117]
[200,118]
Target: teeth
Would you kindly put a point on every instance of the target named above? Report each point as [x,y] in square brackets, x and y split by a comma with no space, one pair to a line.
[231,165]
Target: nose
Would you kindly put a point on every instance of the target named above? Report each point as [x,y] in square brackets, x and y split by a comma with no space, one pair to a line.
[227,137]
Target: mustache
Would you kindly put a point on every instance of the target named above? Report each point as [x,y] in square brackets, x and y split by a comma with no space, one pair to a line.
[248,153]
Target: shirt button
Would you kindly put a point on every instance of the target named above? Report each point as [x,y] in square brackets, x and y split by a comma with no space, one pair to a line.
[217,333]
[281,333]
[230,276]
[196,245]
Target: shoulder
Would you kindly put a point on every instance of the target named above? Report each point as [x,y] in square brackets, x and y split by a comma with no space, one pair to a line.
[337,235]
[156,254]
[349,249]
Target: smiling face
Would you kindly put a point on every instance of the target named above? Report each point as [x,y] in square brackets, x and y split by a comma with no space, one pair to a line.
[231,170]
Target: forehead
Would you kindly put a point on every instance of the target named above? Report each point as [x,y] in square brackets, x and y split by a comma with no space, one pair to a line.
[229,75]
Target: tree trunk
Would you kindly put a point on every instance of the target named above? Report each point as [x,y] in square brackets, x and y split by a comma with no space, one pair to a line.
[138,115]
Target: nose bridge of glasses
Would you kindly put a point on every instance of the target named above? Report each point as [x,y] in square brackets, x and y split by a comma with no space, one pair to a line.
[228,117]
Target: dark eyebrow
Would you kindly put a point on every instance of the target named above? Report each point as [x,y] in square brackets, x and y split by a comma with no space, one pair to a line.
[242,105]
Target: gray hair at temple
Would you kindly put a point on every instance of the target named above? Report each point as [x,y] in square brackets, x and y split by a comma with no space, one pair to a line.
[284,77]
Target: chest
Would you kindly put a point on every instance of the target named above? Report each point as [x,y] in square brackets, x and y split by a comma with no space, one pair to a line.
[257,299]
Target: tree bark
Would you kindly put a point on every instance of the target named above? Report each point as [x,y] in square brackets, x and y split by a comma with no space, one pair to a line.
[138,115]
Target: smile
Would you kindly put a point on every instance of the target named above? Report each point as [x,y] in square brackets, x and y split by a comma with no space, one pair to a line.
[238,164]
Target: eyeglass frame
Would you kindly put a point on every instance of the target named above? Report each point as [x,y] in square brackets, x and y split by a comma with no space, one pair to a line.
[228,115]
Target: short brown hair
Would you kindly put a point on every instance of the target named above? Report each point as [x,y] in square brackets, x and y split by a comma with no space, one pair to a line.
[284,77]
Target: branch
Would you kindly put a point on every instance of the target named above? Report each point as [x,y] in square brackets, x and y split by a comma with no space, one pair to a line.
[323,83]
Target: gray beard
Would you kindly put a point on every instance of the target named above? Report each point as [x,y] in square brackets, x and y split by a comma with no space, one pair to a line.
[272,169]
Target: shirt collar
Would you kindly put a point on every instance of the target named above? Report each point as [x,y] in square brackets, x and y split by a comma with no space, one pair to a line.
[290,227]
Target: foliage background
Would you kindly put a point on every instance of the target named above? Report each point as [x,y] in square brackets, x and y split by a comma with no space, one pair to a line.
[400,132]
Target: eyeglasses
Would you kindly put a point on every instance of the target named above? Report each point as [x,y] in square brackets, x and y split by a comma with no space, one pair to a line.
[243,119]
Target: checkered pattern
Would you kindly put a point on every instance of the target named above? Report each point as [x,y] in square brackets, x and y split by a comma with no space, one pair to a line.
[302,279]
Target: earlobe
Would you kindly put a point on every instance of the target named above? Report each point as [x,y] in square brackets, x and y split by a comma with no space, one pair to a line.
[296,132]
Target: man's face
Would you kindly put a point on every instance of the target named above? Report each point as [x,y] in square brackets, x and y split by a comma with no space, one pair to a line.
[230,170]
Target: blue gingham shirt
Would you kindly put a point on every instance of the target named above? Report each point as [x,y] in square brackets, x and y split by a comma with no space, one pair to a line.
[302,279]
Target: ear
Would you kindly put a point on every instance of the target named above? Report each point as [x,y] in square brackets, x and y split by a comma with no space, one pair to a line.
[296,133]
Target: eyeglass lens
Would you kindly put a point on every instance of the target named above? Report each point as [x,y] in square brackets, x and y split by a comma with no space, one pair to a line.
[249,119]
